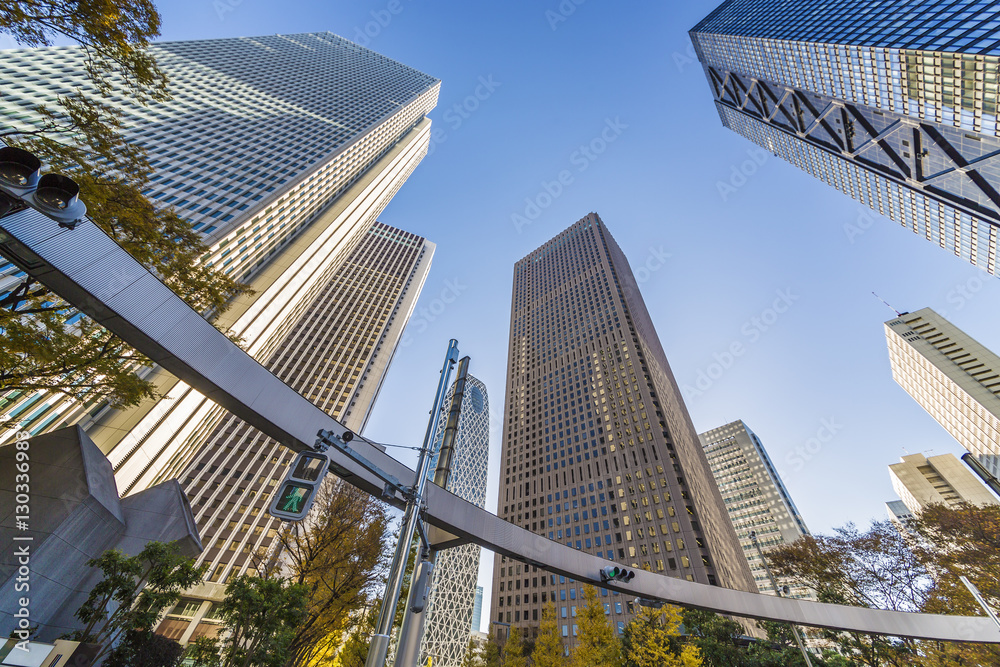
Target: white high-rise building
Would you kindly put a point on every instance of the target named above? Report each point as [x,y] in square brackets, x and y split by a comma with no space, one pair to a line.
[337,356]
[755,496]
[282,151]
[451,602]
[953,377]
[920,481]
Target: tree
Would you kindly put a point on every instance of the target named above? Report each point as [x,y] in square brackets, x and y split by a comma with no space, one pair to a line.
[597,643]
[876,568]
[955,541]
[259,616]
[548,644]
[719,639]
[140,648]
[513,650]
[722,642]
[491,652]
[339,553]
[113,33]
[133,592]
[354,651]
[44,346]
[654,640]
[473,655]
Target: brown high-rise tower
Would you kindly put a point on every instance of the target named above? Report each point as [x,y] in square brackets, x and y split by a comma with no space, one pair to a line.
[598,449]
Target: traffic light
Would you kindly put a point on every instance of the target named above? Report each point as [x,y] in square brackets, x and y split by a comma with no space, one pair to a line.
[615,573]
[298,490]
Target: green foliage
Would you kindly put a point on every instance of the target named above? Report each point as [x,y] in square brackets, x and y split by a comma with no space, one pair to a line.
[597,643]
[513,650]
[491,652]
[473,655]
[548,651]
[133,592]
[260,617]
[354,651]
[144,649]
[654,640]
[340,553]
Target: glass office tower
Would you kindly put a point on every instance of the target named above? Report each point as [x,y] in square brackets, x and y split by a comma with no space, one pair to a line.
[282,151]
[892,103]
[452,597]
[598,450]
[336,355]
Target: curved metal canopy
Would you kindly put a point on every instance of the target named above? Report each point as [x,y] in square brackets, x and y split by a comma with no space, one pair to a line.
[90,271]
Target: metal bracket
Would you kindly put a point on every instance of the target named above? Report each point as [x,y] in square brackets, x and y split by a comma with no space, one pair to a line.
[327,439]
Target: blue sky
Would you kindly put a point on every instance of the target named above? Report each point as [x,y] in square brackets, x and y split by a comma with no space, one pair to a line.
[727,230]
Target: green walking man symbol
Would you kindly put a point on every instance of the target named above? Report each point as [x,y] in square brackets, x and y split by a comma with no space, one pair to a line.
[295,498]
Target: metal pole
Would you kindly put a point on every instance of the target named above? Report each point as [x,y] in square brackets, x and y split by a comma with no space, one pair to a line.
[767,568]
[379,648]
[412,628]
[979,598]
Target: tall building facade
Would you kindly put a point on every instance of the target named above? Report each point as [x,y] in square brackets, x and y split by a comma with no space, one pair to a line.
[953,377]
[477,610]
[336,355]
[893,104]
[755,497]
[900,515]
[282,151]
[452,597]
[598,450]
[920,481]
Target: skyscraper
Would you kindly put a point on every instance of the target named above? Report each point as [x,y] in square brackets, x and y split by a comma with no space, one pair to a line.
[282,151]
[477,610]
[900,515]
[452,596]
[598,449]
[920,481]
[336,355]
[892,103]
[954,378]
[755,497]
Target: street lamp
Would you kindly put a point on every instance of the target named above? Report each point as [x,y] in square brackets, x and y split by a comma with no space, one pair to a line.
[23,185]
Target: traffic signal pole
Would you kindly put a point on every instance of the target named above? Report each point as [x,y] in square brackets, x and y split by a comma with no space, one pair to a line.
[96,275]
[414,616]
[767,568]
[379,649]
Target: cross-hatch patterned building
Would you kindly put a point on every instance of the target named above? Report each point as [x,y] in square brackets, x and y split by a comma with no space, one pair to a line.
[452,597]
[282,151]
[952,376]
[598,451]
[336,355]
[893,103]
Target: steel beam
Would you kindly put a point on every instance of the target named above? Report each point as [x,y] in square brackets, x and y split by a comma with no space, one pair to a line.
[90,271]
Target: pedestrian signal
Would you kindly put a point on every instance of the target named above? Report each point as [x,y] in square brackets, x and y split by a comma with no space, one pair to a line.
[298,490]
